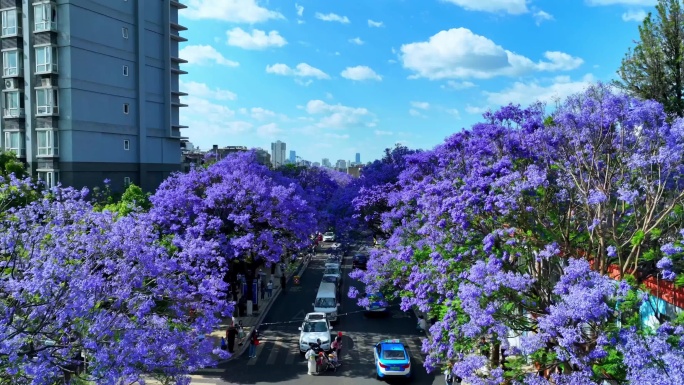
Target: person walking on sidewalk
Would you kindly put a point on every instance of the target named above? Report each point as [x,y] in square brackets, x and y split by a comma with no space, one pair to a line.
[262,288]
[269,288]
[253,342]
[231,333]
[283,282]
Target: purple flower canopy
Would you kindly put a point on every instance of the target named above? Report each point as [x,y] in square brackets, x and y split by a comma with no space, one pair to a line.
[486,233]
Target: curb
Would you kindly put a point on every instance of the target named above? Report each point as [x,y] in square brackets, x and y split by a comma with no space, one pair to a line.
[262,315]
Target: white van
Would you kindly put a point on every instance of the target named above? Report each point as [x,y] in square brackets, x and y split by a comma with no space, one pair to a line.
[327,301]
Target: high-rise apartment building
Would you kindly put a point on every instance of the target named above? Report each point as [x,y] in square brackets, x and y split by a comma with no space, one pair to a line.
[358,158]
[278,153]
[293,156]
[326,163]
[341,164]
[90,89]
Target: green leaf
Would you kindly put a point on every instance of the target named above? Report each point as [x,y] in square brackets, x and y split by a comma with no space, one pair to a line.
[637,238]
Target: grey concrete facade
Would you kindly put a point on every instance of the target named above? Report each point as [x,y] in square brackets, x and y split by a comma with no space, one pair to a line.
[97,86]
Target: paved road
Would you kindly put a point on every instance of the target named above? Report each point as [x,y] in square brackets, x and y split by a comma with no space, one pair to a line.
[278,359]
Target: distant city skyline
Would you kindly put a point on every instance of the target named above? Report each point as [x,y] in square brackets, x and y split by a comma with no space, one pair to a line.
[278,149]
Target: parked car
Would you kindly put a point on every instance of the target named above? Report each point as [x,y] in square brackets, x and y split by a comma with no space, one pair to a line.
[333,270]
[376,303]
[360,261]
[329,237]
[392,359]
[315,326]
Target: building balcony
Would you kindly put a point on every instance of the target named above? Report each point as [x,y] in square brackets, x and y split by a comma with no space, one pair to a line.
[178,126]
[178,104]
[178,93]
[13,113]
[47,110]
[178,71]
[178,38]
[178,60]
[177,4]
[178,27]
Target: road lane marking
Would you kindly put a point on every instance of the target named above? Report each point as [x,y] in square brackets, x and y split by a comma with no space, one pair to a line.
[291,354]
[274,351]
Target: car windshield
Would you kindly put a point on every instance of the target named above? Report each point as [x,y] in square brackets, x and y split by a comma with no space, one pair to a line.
[394,355]
[330,278]
[329,234]
[315,327]
[325,302]
[331,271]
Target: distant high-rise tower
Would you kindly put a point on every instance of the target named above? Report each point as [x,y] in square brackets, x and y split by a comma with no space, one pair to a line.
[326,162]
[358,157]
[278,154]
[293,156]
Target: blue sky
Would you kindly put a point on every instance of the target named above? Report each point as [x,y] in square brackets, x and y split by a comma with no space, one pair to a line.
[336,77]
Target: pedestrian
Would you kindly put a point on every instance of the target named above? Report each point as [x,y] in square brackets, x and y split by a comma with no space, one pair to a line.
[337,346]
[283,282]
[231,333]
[422,324]
[241,332]
[269,288]
[310,356]
[263,288]
[253,342]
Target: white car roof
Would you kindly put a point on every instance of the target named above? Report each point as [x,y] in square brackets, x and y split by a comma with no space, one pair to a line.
[315,316]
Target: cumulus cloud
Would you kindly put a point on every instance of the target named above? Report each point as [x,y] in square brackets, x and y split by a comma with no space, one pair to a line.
[332,17]
[232,11]
[475,110]
[270,130]
[383,133]
[527,93]
[541,16]
[300,10]
[255,40]
[459,53]
[420,105]
[360,73]
[514,7]
[302,70]
[201,90]
[454,85]
[260,114]
[454,112]
[634,15]
[375,24]
[204,55]
[338,115]
[356,40]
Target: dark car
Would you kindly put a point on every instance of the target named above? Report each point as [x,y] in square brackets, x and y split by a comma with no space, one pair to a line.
[359,261]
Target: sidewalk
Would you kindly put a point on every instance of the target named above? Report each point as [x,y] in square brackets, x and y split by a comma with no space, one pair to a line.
[249,322]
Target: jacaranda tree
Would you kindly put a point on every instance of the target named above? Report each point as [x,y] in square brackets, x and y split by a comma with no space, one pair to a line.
[509,229]
[86,295]
[237,206]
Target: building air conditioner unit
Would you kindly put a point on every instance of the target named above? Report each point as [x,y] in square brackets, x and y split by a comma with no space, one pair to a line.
[46,82]
[11,84]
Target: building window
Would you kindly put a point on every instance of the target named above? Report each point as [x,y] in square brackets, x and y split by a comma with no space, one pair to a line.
[10,63]
[127,144]
[127,181]
[126,108]
[46,59]
[48,143]
[124,32]
[125,70]
[14,142]
[47,101]
[12,106]
[44,16]
[50,178]
[9,22]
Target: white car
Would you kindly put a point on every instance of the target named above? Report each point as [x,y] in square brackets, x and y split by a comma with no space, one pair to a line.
[333,270]
[329,237]
[315,326]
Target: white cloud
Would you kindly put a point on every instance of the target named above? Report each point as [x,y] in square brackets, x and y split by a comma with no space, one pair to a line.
[646,3]
[420,105]
[454,85]
[415,113]
[634,15]
[514,7]
[336,136]
[454,112]
[541,16]
[302,70]
[332,17]
[201,90]
[356,40]
[328,95]
[204,55]
[232,11]
[300,10]
[260,114]
[256,40]
[338,115]
[360,73]
[376,24]
[211,120]
[459,53]
[269,130]
[475,110]
[383,133]
[528,93]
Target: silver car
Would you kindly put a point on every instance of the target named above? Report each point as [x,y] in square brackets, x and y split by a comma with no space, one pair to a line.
[315,326]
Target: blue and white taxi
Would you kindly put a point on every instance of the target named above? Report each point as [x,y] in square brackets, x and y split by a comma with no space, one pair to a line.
[392,359]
